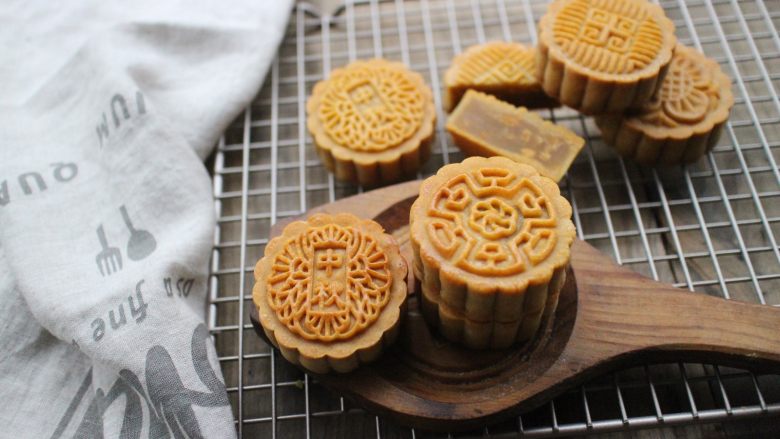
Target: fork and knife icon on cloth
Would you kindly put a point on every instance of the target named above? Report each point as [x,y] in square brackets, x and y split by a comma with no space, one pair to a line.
[140,245]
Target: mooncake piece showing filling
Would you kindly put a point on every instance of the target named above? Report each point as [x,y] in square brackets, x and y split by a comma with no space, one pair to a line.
[683,120]
[603,56]
[330,292]
[491,240]
[485,126]
[372,122]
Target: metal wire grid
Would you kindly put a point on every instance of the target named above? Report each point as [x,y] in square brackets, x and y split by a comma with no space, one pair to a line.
[709,227]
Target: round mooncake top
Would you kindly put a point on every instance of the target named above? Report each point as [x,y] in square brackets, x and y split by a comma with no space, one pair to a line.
[330,285]
[609,40]
[694,97]
[492,224]
[371,107]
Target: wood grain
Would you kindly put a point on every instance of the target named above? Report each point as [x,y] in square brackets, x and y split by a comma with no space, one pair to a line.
[608,317]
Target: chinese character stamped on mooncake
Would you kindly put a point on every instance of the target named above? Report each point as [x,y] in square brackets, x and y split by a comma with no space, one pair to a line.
[330,292]
[372,122]
[603,56]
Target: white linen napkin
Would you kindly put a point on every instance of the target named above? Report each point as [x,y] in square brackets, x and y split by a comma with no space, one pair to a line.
[106,216]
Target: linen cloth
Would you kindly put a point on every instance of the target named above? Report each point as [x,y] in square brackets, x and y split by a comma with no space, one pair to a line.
[106,214]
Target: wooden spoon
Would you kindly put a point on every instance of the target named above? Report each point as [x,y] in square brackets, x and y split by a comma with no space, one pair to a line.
[608,317]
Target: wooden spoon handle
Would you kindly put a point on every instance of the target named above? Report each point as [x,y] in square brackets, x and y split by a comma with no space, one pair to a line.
[627,314]
[721,331]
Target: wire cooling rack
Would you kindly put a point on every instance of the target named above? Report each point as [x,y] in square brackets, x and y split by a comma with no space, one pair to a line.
[710,227]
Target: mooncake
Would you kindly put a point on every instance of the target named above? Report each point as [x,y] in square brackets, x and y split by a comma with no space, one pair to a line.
[503,69]
[489,334]
[603,56]
[491,240]
[372,122]
[683,120]
[485,126]
[330,292]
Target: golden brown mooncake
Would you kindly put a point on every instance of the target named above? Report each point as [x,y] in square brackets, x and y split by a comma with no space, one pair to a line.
[503,69]
[372,122]
[683,120]
[603,56]
[489,334]
[330,292]
[492,237]
[484,126]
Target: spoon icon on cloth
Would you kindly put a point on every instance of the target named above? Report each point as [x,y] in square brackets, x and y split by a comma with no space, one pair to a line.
[141,243]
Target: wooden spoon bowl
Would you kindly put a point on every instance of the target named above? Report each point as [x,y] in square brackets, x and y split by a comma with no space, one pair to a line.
[607,317]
